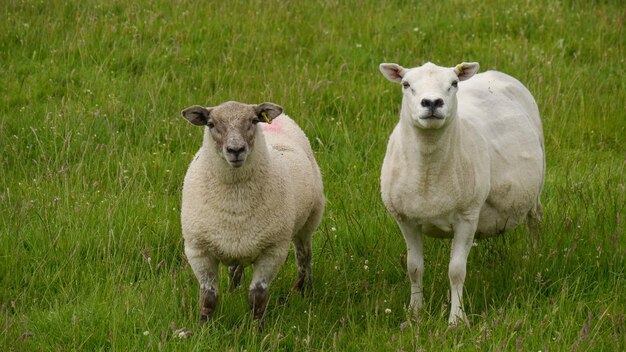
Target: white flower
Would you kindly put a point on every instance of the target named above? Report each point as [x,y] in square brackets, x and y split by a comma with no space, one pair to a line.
[387,311]
[182,333]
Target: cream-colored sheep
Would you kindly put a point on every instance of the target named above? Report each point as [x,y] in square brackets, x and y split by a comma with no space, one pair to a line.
[465,160]
[252,189]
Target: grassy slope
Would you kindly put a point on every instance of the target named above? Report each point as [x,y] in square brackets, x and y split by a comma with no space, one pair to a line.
[93,153]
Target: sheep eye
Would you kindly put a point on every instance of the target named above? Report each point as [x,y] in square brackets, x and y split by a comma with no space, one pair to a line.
[455,84]
[406,84]
[210,124]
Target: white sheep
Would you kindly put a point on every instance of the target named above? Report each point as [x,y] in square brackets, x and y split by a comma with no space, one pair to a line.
[466,160]
[249,192]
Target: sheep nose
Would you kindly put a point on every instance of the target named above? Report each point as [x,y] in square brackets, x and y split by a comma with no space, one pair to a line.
[432,104]
[236,150]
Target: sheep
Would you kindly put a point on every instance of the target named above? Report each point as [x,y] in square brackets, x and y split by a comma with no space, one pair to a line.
[250,190]
[465,161]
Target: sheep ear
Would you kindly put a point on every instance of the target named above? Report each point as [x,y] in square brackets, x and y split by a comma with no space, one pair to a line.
[466,70]
[392,72]
[197,115]
[266,112]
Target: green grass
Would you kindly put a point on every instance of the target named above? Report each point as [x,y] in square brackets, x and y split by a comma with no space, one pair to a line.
[93,152]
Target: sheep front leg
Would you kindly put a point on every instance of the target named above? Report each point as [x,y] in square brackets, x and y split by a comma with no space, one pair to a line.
[205,267]
[461,245]
[265,269]
[414,264]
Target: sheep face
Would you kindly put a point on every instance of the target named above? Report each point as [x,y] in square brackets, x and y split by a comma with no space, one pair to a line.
[429,91]
[232,127]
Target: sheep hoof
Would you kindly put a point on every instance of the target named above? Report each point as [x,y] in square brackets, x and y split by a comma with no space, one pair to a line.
[304,284]
[208,301]
[258,325]
[257,299]
[458,321]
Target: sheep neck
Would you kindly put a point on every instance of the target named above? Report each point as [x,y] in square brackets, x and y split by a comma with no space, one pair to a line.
[432,147]
[434,158]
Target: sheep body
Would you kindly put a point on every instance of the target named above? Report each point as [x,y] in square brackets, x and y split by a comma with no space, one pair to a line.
[250,214]
[237,219]
[500,156]
[461,165]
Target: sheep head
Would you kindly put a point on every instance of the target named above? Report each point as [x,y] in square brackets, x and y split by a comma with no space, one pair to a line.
[429,91]
[232,126]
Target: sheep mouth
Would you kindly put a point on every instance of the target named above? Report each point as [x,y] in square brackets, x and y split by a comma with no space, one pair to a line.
[431,117]
[236,163]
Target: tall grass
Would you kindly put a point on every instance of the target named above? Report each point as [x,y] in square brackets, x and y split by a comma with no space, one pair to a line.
[94,151]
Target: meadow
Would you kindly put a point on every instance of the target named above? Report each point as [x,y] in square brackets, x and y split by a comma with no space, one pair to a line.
[93,151]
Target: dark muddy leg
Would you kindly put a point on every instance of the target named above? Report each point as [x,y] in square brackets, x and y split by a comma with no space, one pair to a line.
[208,302]
[264,272]
[205,267]
[303,251]
[302,244]
[257,299]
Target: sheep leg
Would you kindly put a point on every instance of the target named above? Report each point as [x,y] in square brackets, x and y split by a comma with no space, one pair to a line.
[461,245]
[533,222]
[265,269]
[302,244]
[235,272]
[205,267]
[303,248]
[414,263]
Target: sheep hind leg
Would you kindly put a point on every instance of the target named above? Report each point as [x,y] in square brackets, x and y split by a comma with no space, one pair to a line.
[303,248]
[303,251]
[235,272]
[533,222]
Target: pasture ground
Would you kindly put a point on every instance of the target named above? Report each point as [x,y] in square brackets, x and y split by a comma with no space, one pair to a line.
[93,151]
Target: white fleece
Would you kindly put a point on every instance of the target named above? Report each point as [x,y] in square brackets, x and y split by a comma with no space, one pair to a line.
[236,214]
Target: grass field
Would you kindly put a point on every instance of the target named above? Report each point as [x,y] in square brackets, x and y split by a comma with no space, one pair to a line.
[93,152]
